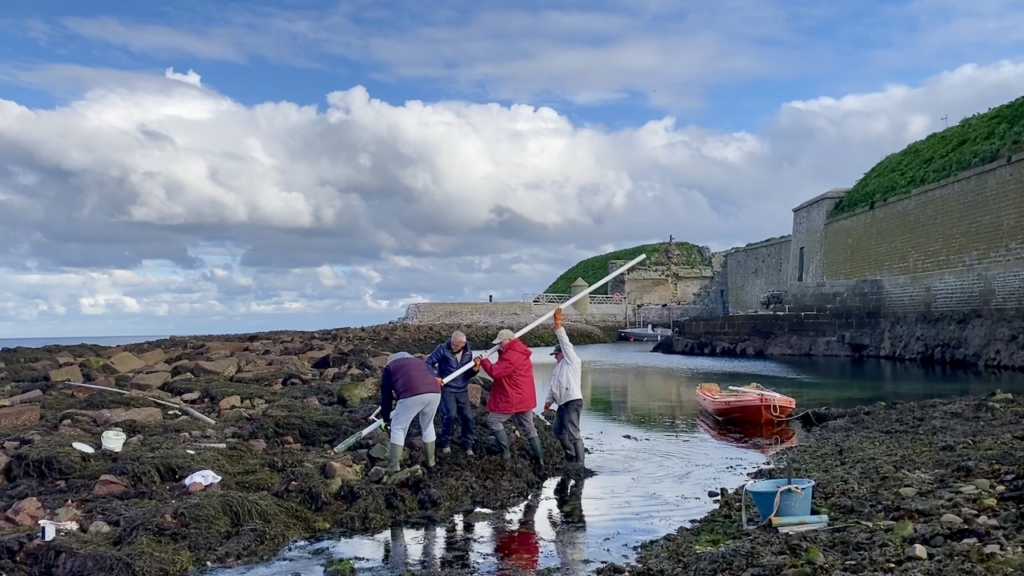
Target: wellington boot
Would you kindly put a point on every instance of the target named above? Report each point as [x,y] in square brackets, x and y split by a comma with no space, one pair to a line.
[567,446]
[581,453]
[536,450]
[501,439]
[429,447]
[394,458]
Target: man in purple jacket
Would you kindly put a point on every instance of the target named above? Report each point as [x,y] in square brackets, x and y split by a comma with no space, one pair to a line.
[418,391]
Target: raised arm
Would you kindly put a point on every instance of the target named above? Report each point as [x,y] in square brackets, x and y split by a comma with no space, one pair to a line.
[563,340]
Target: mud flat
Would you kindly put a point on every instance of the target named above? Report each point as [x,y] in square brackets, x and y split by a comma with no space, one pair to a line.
[280,401]
[918,488]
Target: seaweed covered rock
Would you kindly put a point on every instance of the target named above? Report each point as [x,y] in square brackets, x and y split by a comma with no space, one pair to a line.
[919,488]
[270,443]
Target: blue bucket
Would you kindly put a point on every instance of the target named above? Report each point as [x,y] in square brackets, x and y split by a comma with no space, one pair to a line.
[790,503]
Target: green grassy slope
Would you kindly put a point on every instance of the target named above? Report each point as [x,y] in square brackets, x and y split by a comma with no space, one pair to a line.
[594,268]
[976,141]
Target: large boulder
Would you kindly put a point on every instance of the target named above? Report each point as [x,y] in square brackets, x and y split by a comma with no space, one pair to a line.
[126,362]
[66,374]
[153,357]
[225,367]
[151,381]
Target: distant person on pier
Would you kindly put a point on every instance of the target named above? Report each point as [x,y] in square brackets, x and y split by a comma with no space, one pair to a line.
[566,391]
[409,380]
[446,359]
[513,394]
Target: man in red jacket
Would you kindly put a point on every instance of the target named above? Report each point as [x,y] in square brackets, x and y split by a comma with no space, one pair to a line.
[513,395]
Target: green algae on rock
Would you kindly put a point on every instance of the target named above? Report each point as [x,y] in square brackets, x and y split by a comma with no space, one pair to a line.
[271,445]
[860,459]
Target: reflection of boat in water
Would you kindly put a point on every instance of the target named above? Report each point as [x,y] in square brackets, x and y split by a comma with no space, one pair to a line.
[767,438]
[751,403]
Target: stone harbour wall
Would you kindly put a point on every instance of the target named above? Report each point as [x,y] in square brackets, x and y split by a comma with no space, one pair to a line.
[756,270]
[513,315]
[953,227]
[957,245]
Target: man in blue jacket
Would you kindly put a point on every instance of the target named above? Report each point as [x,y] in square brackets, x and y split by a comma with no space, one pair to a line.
[444,360]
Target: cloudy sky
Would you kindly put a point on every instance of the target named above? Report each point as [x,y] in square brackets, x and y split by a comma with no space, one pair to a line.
[199,167]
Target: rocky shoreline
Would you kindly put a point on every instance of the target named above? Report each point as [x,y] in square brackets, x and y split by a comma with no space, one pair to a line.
[920,488]
[954,339]
[279,401]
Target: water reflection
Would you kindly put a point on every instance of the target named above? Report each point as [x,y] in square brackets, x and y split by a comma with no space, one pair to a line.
[655,459]
[517,548]
[570,524]
[766,438]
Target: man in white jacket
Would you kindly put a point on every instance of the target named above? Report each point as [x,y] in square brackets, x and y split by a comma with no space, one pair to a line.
[566,392]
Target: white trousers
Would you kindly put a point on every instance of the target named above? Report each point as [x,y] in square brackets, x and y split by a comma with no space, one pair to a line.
[424,405]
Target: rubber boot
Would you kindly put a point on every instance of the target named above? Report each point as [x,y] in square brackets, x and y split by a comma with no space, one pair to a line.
[570,450]
[394,458]
[581,454]
[501,439]
[536,449]
[429,447]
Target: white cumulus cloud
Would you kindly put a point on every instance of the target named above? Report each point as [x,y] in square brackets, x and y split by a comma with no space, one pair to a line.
[162,201]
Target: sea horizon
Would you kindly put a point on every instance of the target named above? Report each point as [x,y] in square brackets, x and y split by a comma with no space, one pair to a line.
[40,342]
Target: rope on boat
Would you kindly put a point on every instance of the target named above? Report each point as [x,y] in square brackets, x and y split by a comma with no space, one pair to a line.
[811,412]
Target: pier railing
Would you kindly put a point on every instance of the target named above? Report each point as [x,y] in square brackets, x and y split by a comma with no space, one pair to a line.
[560,298]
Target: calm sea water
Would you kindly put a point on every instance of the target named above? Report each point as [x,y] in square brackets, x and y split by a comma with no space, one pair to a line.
[655,461]
[73,340]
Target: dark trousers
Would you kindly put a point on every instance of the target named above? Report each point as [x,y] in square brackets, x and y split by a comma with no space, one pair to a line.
[456,406]
[567,420]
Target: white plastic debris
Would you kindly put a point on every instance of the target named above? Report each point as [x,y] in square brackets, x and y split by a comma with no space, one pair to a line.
[49,529]
[204,477]
[83,447]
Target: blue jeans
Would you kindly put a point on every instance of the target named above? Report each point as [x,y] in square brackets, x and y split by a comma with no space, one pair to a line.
[455,405]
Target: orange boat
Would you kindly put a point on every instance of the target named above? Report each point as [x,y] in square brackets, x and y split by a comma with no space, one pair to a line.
[752,403]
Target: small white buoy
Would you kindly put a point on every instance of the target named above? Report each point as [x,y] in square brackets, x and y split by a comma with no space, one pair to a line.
[83,447]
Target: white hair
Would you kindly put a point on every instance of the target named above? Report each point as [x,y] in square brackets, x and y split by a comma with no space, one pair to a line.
[398,356]
[458,335]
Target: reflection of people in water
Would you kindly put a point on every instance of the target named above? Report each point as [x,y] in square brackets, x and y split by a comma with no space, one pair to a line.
[395,554]
[428,559]
[571,526]
[518,549]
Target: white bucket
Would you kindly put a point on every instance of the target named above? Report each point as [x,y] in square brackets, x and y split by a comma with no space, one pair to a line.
[113,440]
